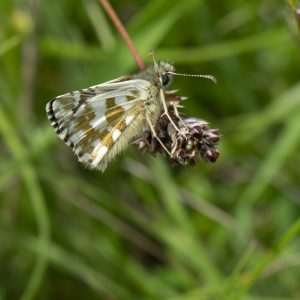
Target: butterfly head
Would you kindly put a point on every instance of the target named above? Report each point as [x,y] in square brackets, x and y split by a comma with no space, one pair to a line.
[163,71]
[159,74]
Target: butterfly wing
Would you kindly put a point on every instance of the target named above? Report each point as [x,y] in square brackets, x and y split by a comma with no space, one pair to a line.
[92,120]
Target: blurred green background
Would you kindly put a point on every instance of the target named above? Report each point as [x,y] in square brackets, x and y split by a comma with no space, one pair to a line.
[145,229]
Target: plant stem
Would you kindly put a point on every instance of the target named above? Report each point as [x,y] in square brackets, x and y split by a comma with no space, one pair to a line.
[124,34]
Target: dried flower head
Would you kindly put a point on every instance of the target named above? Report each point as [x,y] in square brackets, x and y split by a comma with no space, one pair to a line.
[193,140]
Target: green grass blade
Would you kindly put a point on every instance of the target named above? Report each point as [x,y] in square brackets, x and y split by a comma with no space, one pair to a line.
[36,198]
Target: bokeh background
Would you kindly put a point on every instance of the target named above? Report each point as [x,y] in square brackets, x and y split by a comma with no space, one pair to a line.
[145,229]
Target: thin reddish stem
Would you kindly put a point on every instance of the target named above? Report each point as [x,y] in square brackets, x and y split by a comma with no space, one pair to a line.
[115,19]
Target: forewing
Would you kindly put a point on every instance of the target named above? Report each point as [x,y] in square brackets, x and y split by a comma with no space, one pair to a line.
[91,120]
[107,143]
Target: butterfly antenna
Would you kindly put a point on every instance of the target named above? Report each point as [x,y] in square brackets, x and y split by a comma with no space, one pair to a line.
[210,77]
[151,54]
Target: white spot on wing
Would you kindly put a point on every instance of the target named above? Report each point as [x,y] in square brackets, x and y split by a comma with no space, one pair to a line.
[99,110]
[99,120]
[115,134]
[120,99]
[129,119]
[98,103]
[63,134]
[100,154]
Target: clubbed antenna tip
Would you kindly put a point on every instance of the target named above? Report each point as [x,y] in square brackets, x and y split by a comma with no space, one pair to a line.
[210,77]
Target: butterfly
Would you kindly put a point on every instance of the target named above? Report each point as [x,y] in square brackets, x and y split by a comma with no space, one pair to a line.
[100,121]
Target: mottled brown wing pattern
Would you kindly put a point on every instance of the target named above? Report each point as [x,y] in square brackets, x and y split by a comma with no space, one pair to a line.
[62,109]
[90,121]
[109,137]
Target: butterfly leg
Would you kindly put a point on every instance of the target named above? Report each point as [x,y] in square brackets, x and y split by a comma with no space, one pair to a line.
[155,135]
[162,97]
[178,116]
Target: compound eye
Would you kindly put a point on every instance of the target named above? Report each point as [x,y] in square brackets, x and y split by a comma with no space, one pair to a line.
[165,79]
